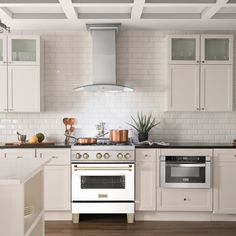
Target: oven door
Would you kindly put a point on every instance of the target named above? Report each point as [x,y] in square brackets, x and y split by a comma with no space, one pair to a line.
[185,175]
[102,182]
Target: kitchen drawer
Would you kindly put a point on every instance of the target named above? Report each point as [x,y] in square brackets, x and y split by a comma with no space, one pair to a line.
[59,156]
[225,155]
[184,200]
[146,155]
[19,153]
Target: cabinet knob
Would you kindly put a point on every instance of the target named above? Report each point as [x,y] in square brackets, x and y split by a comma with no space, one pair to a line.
[203,61]
[198,61]
[197,108]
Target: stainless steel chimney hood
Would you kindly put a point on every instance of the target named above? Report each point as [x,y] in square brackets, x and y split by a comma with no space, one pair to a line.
[103,59]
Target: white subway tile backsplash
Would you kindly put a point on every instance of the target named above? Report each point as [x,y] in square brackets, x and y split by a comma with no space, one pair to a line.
[141,64]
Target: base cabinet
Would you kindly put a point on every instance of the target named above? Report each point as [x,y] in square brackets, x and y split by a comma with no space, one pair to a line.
[224,178]
[184,200]
[57,188]
[57,184]
[145,180]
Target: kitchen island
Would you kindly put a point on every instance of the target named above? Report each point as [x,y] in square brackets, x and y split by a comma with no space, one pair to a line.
[21,197]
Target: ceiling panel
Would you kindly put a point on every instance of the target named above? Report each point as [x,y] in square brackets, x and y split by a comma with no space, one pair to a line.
[181,1]
[173,9]
[35,9]
[102,1]
[103,9]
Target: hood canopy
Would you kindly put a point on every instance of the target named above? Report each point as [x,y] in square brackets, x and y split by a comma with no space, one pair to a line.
[103,60]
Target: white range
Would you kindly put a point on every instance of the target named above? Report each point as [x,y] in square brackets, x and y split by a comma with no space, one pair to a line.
[103,180]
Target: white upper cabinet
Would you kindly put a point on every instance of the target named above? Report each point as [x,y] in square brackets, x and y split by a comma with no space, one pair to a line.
[216,88]
[23,50]
[3,89]
[184,49]
[217,49]
[20,77]
[200,73]
[23,89]
[184,87]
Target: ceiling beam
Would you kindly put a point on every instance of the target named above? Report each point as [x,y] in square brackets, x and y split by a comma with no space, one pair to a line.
[137,9]
[69,9]
[210,12]
[103,4]
[5,13]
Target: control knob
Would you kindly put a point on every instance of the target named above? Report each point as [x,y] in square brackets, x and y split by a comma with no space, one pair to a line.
[77,156]
[106,155]
[127,156]
[85,155]
[120,155]
[99,155]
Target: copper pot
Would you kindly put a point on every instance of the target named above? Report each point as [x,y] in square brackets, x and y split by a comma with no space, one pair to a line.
[118,136]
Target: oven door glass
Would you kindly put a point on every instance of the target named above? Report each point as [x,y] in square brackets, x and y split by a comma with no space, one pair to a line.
[103,182]
[185,173]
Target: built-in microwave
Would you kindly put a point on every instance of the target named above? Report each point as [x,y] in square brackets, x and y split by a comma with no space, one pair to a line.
[185,171]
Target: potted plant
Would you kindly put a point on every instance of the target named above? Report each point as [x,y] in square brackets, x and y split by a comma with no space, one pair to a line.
[143,124]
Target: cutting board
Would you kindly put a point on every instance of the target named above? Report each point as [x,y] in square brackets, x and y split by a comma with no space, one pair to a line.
[30,144]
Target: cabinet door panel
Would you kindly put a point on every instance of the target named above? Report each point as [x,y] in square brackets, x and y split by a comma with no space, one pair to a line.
[184,49]
[217,49]
[216,88]
[3,49]
[24,88]
[3,88]
[145,180]
[24,50]
[57,188]
[224,192]
[224,177]
[183,87]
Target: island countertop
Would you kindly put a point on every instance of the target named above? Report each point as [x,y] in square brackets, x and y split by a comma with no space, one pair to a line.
[18,171]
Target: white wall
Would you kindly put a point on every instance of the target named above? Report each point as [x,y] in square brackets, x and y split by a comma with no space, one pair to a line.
[141,64]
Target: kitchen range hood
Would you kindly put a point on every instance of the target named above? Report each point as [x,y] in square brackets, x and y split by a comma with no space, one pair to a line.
[103,59]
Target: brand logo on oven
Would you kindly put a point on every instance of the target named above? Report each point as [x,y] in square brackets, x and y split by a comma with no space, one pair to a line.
[102,195]
[185,179]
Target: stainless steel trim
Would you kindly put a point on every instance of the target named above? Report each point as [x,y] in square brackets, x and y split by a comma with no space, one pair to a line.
[186,165]
[207,183]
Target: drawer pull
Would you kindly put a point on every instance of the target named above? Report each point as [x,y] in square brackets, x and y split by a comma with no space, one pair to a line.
[19,157]
[187,199]
[54,157]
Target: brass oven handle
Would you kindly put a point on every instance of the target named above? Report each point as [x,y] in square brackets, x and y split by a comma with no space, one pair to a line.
[102,168]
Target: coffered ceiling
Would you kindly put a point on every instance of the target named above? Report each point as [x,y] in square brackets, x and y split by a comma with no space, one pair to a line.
[152,14]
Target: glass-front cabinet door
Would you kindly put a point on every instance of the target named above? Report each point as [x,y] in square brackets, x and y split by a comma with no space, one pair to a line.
[24,50]
[216,49]
[3,49]
[184,49]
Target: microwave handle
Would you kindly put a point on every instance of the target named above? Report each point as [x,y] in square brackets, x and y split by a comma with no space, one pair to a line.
[186,165]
